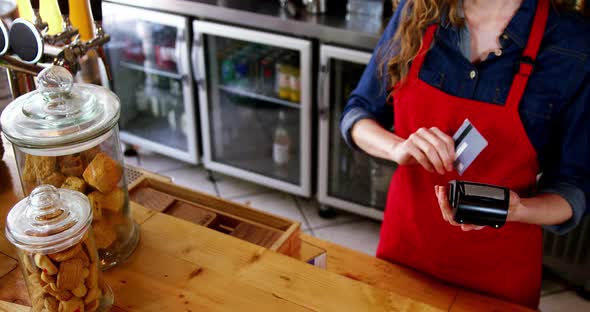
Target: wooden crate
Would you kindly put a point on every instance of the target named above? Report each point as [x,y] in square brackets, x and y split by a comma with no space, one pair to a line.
[243,222]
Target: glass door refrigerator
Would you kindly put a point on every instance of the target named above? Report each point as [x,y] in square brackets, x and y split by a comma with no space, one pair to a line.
[348,180]
[255,98]
[149,59]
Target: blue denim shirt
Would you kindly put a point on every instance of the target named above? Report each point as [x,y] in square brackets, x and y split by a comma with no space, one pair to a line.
[554,109]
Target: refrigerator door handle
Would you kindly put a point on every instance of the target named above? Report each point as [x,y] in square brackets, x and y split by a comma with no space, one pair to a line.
[323,106]
[197,45]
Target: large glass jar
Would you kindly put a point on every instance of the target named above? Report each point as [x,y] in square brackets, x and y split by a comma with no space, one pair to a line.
[67,136]
[57,251]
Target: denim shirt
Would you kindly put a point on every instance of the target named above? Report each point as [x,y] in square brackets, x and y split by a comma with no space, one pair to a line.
[554,109]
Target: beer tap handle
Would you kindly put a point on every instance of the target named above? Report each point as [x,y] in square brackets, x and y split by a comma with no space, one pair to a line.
[64,7]
[96,7]
[38,21]
[35,5]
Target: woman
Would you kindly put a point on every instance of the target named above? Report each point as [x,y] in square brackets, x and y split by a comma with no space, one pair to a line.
[520,72]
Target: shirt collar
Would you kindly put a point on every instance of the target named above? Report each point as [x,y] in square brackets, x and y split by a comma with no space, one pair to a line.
[518,28]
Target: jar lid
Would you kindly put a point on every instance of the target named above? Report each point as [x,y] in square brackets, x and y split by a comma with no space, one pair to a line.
[59,112]
[49,220]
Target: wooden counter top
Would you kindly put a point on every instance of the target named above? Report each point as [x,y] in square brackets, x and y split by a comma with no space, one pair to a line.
[179,266]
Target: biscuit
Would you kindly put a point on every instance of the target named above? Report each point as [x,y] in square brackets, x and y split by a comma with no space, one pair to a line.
[65,254]
[45,264]
[62,295]
[84,257]
[49,279]
[44,166]
[93,294]
[92,279]
[73,305]
[103,173]
[51,304]
[70,274]
[39,168]
[71,165]
[55,178]
[114,201]
[88,155]
[104,234]
[80,291]
[95,199]
[29,173]
[75,184]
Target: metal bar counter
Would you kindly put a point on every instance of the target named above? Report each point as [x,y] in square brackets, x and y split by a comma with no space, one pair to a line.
[353,30]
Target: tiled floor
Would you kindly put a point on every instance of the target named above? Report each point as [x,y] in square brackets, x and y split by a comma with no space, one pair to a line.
[346,229]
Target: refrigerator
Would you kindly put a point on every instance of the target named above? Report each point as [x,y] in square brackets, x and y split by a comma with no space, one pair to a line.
[347,179]
[150,62]
[255,102]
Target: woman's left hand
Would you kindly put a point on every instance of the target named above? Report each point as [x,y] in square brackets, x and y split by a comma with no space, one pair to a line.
[447,210]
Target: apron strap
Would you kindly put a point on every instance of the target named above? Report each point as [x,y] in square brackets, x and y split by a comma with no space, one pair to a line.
[526,63]
[421,56]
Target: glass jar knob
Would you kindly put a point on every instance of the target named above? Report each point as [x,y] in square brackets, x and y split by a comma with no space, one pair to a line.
[44,210]
[55,85]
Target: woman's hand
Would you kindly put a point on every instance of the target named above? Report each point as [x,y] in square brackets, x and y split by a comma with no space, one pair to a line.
[447,210]
[431,148]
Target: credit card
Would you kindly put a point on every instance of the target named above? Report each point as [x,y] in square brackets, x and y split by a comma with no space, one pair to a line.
[469,143]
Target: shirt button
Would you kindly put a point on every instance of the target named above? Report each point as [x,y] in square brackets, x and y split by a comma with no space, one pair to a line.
[498,52]
[472,74]
[504,36]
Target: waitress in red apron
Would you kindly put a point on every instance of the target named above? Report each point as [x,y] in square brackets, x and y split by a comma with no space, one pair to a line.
[519,71]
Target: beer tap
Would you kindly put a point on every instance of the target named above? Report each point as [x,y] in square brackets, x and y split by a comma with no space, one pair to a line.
[30,49]
[26,38]
[70,54]
[96,7]
[68,33]
[42,26]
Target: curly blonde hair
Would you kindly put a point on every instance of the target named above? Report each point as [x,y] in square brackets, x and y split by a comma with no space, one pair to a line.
[396,56]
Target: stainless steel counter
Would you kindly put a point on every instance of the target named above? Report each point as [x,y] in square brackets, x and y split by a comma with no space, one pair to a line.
[356,31]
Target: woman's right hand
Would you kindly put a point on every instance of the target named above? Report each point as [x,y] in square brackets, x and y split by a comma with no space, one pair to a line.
[430,147]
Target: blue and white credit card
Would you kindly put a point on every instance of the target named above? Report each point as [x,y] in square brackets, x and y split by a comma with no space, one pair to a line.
[469,143]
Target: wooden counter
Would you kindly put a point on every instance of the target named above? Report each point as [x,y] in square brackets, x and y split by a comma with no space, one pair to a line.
[179,266]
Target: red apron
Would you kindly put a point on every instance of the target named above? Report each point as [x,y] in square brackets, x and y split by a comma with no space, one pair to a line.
[505,262]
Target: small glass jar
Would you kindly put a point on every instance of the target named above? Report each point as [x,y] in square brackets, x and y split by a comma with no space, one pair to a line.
[57,251]
[67,136]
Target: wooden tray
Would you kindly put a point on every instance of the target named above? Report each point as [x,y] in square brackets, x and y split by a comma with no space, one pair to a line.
[243,222]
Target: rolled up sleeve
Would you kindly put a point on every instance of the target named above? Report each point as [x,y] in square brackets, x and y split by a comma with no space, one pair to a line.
[575,197]
[568,171]
[369,98]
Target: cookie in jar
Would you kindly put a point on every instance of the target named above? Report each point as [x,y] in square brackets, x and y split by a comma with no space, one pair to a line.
[66,135]
[52,231]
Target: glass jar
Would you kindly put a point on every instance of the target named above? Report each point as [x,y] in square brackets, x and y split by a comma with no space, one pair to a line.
[57,251]
[67,136]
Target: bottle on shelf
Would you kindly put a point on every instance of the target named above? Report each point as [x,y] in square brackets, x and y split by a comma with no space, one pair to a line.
[295,81]
[175,108]
[228,68]
[241,71]
[281,148]
[266,79]
[152,91]
[165,52]
[284,71]
[142,100]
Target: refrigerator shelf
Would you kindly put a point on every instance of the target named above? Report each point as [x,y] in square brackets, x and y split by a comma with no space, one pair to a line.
[149,70]
[157,130]
[245,93]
